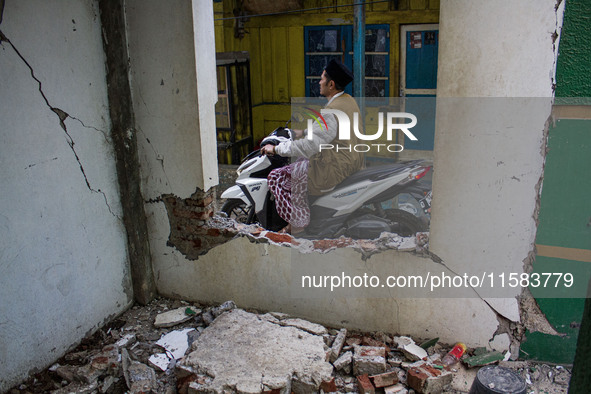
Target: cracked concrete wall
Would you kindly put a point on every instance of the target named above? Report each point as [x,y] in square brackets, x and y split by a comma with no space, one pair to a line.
[174,90]
[486,186]
[495,87]
[63,257]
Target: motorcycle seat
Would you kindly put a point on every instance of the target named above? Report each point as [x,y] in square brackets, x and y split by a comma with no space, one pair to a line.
[376,173]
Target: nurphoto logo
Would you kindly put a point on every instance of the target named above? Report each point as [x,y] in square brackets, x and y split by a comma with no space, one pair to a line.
[392,124]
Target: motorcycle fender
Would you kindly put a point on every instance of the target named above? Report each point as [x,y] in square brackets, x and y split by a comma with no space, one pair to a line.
[257,188]
[235,192]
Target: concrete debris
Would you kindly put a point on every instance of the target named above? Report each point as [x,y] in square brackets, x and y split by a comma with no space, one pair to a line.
[279,315]
[253,353]
[139,377]
[241,351]
[365,385]
[386,241]
[396,389]
[176,343]
[343,363]
[410,349]
[426,379]
[207,318]
[226,306]
[384,379]
[175,317]
[337,345]
[369,360]
[160,361]
[126,340]
[304,325]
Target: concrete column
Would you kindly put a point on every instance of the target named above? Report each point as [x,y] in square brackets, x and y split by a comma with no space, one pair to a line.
[124,134]
[495,76]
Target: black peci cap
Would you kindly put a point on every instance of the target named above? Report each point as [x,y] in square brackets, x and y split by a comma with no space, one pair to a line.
[339,73]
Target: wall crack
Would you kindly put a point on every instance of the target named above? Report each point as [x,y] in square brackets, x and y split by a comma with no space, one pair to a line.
[62,115]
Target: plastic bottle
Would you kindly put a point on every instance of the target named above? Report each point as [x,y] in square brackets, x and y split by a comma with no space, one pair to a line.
[454,355]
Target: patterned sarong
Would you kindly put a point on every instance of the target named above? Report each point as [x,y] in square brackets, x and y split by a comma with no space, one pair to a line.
[289,185]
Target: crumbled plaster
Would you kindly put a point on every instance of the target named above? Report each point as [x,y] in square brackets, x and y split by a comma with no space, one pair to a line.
[532,317]
[195,230]
[62,116]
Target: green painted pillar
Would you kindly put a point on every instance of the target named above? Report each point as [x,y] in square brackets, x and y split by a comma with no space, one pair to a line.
[580,381]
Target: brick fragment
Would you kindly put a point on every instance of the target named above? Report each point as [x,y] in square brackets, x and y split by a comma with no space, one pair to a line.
[344,362]
[367,341]
[416,378]
[279,238]
[428,380]
[329,386]
[337,345]
[384,379]
[369,360]
[365,385]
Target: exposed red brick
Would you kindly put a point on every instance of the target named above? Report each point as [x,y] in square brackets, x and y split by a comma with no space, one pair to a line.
[329,386]
[416,378]
[367,351]
[184,382]
[100,362]
[353,341]
[384,379]
[200,202]
[325,244]
[433,371]
[279,238]
[213,232]
[367,341]
[365,385]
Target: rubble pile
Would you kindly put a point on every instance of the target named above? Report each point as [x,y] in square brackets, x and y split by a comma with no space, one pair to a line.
[177,347]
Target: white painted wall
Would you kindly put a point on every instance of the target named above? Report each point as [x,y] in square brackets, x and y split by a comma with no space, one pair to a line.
[495,75]
[174,89]
[63,258]
[486,171]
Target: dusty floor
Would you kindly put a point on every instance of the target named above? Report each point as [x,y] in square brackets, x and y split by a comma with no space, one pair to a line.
[95,366]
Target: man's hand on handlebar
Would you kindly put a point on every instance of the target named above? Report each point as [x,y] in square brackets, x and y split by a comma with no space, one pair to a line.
[268,150]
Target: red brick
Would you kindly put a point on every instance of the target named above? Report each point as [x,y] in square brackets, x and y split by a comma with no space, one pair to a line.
[329,386]
[325,244]
[433,371]
[200,202]
[279,238]
[369,360]
[416,378]
[364,384]
[367,341]
[353,341]
[384,379]
[213,232]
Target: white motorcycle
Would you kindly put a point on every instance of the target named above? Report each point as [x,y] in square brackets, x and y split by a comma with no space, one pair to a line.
[354,208]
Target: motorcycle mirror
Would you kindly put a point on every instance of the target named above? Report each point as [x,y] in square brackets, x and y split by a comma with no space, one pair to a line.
[297,117]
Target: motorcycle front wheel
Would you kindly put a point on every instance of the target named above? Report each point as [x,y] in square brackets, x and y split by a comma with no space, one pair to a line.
[237,209]
[405,223]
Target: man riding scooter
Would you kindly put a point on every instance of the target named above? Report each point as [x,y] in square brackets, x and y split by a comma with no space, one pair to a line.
[315,172]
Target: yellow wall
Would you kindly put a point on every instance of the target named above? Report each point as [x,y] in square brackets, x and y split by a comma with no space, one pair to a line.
[276,47]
